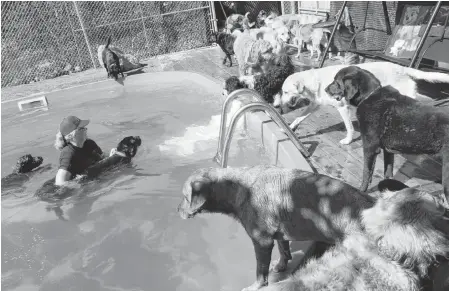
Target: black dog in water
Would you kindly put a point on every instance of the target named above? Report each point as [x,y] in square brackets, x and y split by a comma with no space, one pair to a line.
[126,150]
[111,62]
[21,172]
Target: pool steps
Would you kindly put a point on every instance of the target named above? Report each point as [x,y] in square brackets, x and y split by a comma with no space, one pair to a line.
[263,121]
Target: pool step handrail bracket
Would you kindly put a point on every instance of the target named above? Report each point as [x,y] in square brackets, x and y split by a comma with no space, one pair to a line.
[224,141]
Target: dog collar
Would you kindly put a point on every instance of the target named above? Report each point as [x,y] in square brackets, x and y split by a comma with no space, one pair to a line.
[371,93]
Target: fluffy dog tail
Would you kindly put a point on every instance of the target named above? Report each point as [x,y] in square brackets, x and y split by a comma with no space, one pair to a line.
[432,84]
[431,77]
[109,42]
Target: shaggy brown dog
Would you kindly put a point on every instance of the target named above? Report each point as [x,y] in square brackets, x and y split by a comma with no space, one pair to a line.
[274,203]
[111,62]
[403,234]
[392,122]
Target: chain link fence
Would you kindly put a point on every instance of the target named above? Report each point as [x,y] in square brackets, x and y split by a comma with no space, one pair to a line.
[43,39]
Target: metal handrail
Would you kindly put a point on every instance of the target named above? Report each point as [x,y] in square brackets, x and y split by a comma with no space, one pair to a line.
[223,144]
[234,95]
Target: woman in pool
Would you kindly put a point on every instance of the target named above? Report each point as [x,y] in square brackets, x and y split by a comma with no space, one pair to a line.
[77,151]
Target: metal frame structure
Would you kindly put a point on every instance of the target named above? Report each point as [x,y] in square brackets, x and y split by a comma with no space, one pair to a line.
[416,59]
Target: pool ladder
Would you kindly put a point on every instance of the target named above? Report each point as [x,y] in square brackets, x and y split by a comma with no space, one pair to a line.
[224,142]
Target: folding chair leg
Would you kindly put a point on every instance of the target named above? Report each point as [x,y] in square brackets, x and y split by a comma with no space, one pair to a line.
[333,33]
[426,33]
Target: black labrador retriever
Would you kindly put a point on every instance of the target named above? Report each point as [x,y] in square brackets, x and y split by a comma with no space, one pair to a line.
[126,150]
[111,62]
[22,172]
[392,122]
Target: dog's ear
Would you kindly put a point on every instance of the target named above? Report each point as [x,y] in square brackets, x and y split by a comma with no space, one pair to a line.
[391,185]
[200,190]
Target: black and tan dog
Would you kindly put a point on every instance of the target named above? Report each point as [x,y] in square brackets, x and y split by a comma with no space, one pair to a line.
[21,172]
[125,151]
[111,62]
[403,235]
[392,122]
[274,203]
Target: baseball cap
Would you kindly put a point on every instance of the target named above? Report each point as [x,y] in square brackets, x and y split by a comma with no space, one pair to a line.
[70,123]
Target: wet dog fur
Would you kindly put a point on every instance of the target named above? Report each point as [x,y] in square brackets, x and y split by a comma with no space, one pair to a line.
[274,203]
[111,62]
[21,171]
[404,233]
[392,122]
[126,150]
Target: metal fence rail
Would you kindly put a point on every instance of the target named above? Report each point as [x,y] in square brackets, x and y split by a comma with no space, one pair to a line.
[43,39]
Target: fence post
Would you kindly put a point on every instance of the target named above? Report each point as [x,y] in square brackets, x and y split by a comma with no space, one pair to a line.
[143,24]
[85,34]
[214,17]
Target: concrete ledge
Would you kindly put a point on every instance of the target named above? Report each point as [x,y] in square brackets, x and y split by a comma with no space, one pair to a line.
[285,153]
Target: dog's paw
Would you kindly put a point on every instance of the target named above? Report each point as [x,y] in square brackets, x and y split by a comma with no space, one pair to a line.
[347,140]
[278,266]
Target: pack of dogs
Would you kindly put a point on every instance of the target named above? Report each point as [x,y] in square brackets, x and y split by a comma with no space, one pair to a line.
[398,240]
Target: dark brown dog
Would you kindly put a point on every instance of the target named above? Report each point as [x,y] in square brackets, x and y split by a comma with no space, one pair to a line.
[392,122]
[111,62]
[274,203]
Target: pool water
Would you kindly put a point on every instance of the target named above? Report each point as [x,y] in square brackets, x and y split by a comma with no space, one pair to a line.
[122,231]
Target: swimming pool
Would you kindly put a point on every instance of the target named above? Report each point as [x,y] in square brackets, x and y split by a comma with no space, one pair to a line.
[123,232]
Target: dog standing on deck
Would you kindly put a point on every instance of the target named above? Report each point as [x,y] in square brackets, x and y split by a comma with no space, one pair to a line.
[310,85]
[111,62]
[305,33]
[392,122]
[274,203]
